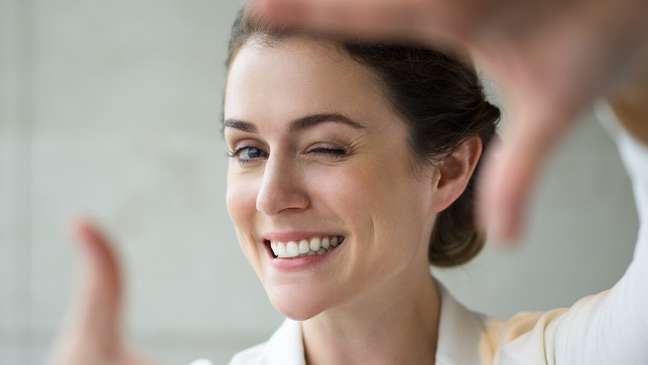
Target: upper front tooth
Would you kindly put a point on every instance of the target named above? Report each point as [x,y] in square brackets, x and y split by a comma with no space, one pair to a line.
[292,249]
[303,246]
[314,244]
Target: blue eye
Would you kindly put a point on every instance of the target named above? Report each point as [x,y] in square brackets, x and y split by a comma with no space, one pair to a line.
[246,154]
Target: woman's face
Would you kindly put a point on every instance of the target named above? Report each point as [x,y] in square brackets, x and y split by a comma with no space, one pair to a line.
[319,153]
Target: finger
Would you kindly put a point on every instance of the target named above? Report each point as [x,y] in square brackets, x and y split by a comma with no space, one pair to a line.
[424,21]
[98,312]
[511,169]
[92,335]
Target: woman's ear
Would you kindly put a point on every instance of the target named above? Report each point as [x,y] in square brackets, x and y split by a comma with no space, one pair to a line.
[455,171]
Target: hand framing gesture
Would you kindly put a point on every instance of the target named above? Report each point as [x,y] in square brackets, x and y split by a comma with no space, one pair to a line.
[552,58]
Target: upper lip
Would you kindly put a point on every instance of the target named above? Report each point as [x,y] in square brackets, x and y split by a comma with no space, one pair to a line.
[285,236]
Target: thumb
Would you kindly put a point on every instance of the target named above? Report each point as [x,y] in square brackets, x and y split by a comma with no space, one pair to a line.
[99,307]
[93,335]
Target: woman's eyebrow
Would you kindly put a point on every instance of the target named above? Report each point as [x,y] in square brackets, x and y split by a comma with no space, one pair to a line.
[310,121]
[298,124]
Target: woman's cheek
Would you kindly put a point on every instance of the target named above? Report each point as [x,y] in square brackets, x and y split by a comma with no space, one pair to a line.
[241,207]
[241,197]
[344,184]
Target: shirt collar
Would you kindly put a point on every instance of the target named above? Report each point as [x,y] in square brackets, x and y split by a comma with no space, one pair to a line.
[286,347]
[460,331]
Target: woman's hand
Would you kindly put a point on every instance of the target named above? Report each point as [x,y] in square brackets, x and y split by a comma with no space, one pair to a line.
[94,335]
[552,58]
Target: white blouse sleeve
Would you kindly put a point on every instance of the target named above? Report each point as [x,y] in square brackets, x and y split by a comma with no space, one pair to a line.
[612,327]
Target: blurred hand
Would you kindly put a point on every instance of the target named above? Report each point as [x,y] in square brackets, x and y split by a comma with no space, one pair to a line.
[93,336]
[552,58]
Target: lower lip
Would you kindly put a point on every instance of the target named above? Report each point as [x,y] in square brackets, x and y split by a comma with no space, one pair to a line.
[301,262]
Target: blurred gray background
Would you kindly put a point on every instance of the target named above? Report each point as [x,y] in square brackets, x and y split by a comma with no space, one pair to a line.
[112,108]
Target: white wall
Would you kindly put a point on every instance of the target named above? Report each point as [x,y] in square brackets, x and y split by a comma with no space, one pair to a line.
[113,109]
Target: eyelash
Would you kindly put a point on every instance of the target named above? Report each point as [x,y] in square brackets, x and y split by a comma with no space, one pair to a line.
[335,153]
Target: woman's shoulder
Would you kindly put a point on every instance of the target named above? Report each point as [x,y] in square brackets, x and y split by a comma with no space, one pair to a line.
[506,335]
[531,335]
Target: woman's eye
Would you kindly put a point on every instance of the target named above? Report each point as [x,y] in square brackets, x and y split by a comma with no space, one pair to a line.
[335,152]
[247,154]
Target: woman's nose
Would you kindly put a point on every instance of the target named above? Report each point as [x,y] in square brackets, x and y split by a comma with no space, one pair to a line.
[280,189]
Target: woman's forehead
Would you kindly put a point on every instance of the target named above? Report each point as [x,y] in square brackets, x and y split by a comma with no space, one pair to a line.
[299,76]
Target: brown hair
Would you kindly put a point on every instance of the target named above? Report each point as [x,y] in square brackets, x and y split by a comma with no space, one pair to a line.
[442,102]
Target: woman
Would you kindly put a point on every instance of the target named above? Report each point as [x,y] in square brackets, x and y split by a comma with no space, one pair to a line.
[352,170]
[343,157]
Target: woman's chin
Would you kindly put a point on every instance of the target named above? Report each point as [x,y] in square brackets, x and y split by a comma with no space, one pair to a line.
[298,305]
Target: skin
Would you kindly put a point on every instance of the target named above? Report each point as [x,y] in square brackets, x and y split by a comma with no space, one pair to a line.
[371,196]
[94,335]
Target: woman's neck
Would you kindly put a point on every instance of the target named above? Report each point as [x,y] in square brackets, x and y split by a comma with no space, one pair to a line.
[396,323]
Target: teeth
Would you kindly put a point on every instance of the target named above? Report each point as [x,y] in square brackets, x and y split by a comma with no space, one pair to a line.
[292,249]
[314,246]
[304,246]
[280,249]
[325,242]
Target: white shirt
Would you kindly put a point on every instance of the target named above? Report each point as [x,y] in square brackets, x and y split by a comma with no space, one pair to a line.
[608,328]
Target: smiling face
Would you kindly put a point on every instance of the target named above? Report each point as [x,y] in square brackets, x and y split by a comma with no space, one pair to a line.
[318,152]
